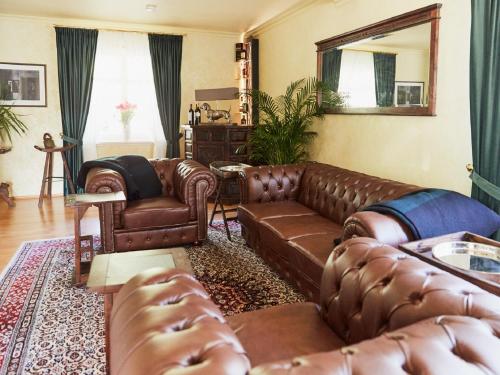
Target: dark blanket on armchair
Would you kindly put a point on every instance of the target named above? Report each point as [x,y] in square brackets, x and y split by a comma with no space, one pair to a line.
[138,173]
[435,212]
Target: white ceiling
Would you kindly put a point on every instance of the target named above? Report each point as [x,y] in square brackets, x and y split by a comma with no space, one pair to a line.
[223,15]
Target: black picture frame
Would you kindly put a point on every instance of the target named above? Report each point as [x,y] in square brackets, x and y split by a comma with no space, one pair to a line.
[409,93]
[23,85]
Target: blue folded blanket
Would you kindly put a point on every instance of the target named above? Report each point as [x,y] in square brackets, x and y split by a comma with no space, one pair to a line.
[435,212]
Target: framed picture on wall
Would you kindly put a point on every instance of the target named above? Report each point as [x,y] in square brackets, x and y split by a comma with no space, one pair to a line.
[409,94]
[23,85]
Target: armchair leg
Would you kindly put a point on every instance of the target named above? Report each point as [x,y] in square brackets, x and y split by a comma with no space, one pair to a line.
[197,243]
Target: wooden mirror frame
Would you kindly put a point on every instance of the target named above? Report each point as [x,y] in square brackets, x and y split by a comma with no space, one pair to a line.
[403,21]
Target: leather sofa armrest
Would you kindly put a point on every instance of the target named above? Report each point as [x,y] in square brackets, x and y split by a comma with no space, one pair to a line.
[270,183]
[384,228]
[163,321]
[443,345]
[102,180]
[193,184]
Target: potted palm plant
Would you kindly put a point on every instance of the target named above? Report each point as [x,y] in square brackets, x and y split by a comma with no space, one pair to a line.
[283,133]
[9,124]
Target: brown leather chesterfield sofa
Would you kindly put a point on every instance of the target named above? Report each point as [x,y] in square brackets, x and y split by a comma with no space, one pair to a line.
[179,216]
[381,312]
[292,214]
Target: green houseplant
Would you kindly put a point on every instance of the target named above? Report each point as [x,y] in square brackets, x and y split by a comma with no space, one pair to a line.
[283,132]
[9,124]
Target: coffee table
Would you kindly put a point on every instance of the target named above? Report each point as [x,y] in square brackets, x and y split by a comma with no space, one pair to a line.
[109,272]
[423,250]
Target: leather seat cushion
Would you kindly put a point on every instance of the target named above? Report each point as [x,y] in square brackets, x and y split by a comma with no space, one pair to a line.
[290,227]
[154,212]
[312,252]
[283,332]
[259,211]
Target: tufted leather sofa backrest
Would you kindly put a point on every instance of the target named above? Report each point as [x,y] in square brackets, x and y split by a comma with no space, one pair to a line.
[165,169]
[436,346]
[337,193]
[268,183]
[369,288]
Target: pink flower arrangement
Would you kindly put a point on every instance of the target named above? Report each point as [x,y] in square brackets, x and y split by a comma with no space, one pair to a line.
[126,110]
[126,106]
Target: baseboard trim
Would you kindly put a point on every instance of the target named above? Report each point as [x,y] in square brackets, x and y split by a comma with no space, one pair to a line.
[26,197]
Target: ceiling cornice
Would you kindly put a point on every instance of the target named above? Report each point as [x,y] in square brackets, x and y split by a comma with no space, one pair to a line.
[298,8]
[119,26]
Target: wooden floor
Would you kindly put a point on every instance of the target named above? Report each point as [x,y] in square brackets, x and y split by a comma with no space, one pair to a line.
[27,222]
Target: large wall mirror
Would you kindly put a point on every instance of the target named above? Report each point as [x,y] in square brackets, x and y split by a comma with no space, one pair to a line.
[387,68]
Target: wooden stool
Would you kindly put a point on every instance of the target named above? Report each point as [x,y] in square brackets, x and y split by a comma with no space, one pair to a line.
[47,171]
[225,171]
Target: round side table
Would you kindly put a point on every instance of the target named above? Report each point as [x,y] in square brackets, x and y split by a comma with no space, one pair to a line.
[225,171]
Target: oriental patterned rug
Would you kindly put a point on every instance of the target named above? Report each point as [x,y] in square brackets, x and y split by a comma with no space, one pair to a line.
[48,326]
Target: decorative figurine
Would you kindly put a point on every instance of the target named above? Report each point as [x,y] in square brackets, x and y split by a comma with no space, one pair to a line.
[215,114]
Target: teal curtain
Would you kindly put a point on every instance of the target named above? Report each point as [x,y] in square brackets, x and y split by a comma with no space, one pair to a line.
[75,61]
[166,57]
[385,75]
[484,101]
[330,68]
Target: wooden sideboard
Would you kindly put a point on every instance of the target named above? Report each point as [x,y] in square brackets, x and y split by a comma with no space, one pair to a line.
[206,143]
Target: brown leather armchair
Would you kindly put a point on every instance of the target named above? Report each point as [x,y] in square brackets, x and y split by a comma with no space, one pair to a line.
[381,312]
[177,217]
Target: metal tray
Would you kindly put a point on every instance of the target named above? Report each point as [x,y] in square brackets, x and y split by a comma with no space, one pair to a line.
[233,168]
[469,256]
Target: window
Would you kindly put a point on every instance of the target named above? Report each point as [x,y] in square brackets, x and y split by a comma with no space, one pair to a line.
[122,73]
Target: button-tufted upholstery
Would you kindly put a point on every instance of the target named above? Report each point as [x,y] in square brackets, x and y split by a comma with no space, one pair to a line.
[289,210]
[443,345]
[177,217]
[381,312]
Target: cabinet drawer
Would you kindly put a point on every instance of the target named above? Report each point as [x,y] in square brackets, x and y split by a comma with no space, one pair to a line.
[238,135]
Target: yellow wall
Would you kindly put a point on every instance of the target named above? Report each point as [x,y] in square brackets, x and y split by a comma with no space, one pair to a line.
[208,62]
[428,151]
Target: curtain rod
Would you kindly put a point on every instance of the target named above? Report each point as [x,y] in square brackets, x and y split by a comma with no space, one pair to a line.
[121,30]
[363,50]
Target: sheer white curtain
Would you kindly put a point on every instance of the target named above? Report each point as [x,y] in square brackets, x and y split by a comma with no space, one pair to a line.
[357,78]
[123,72]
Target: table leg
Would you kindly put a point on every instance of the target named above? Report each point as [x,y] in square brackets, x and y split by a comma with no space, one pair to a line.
[107,240]
[44,180]
[217,197]
[68,174]
[78,245]
[108,305]
[225,221]
[49,175]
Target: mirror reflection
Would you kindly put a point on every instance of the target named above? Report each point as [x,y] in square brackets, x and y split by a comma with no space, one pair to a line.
[386,70]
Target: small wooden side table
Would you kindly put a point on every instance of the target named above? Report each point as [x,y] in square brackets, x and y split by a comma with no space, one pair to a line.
[80,203]
[47,171]
[109,272]
[423,250]
[226,171]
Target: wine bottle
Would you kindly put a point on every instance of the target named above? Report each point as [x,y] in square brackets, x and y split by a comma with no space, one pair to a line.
[197,115]
[191,115]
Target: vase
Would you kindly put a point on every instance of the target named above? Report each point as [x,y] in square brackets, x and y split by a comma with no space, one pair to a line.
[126,131]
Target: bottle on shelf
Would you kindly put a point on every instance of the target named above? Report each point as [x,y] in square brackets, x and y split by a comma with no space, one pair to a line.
[197,115]
[243,120]
[191,115]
